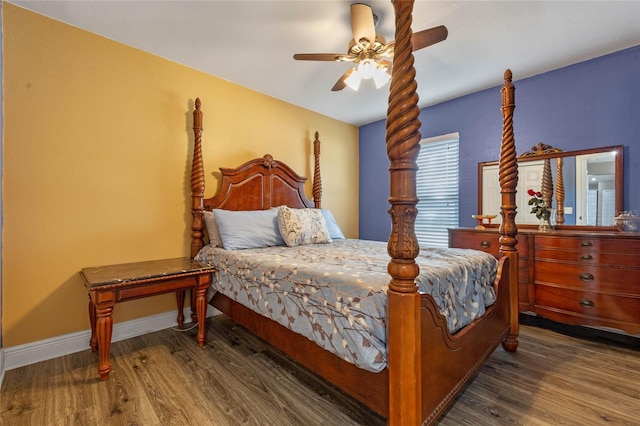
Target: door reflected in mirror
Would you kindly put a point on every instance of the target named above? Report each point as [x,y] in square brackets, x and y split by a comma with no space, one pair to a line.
[595,189]
[586,186]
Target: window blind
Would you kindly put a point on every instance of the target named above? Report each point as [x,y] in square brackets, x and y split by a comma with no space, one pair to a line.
[437,185]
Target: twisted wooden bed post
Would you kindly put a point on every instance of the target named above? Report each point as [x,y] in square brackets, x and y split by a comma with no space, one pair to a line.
[197,197]
[197,183]
[559,192]
[317,181]
[508,176]
[403,138]
[547,184]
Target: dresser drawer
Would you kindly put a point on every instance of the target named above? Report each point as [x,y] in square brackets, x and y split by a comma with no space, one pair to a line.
[624,281]
[612,244]
[589,257]
[589,304]
[489,242]
[486,242]
[587,278]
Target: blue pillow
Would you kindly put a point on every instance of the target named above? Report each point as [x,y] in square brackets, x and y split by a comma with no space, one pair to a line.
[248,229]
[332,226]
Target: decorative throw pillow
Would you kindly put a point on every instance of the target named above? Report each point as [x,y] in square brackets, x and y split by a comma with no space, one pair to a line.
[248,229]
[212,229]
[335,233]
[302,226]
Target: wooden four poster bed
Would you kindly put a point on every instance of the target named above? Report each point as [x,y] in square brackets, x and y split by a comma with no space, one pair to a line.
[427,365]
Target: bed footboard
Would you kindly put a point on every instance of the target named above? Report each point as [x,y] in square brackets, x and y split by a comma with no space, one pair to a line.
[450,361]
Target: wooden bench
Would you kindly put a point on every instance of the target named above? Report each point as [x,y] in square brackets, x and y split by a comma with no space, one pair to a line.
[108,285]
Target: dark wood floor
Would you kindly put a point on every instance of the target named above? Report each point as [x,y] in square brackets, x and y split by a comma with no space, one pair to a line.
[163,378]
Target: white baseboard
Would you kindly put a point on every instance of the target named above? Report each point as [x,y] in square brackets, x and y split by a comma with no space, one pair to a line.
[1,366]
[30,353]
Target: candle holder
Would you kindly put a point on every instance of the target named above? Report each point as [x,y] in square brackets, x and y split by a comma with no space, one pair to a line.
[481,217]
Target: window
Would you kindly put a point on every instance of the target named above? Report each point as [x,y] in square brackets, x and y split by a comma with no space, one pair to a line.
[437,183]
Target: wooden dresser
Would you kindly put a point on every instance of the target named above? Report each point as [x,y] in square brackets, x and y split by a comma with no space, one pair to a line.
[574,277]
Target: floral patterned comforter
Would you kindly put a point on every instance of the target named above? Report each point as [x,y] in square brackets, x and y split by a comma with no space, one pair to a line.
[335,294]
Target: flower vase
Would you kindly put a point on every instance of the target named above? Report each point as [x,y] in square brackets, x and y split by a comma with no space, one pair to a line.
[544,226]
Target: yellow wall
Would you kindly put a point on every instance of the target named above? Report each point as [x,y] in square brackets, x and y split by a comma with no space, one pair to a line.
[97,140]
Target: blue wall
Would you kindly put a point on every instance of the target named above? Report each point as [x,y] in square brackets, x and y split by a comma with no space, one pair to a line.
[587,105]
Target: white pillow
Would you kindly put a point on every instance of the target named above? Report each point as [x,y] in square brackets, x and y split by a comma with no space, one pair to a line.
[302,226]
[248,229]
[212,229]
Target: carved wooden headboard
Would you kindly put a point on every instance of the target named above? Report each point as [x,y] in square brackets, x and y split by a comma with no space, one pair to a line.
[258,184]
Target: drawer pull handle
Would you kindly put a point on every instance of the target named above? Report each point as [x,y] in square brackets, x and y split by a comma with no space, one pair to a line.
[586,277]
[485,244]
[587,303]
[586,257]
[586,244]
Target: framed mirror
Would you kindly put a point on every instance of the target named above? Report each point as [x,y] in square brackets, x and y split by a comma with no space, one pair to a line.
[583,188]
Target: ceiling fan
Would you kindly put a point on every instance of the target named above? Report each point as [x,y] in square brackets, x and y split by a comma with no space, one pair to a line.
[369,51]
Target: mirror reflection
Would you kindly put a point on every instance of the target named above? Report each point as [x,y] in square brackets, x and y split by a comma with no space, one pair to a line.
[582,188]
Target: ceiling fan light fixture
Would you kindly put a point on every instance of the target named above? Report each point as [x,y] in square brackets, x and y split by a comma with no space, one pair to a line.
[370,53]
[381,77]
[367,68]
[354,79]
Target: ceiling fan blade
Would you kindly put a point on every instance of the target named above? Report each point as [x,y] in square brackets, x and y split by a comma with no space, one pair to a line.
[318,56]
[425,38]
[362,24]
[342,81]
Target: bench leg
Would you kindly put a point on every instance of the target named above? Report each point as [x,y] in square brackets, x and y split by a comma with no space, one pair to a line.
[180,300]
[104,329]
[201,307]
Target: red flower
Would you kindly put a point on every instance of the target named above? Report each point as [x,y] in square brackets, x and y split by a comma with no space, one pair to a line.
[538,207]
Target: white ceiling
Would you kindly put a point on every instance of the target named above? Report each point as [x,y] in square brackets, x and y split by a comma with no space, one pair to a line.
[252,43]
